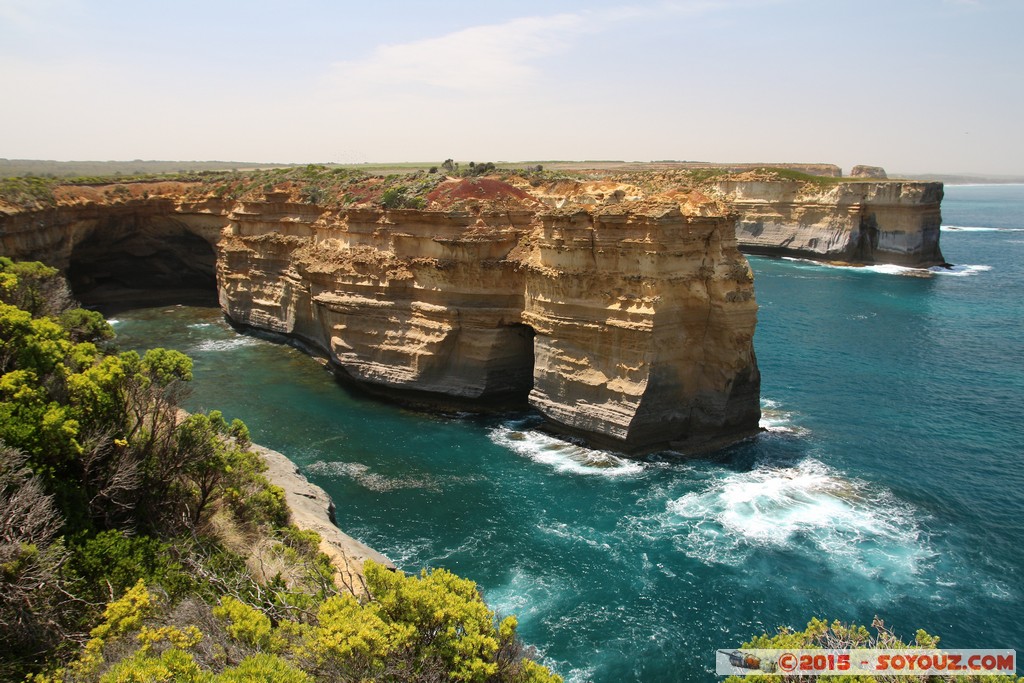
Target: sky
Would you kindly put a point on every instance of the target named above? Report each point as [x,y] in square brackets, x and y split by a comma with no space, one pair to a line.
[916,86]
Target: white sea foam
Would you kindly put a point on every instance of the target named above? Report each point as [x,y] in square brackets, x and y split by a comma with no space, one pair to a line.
[976,228]
[562,456]
[960,270]
[373,481]
[807,507]
[885,268]
[576,675]
[892,269]
[574,533]
[113,321]
[225,344]
[775,419]
[527,593]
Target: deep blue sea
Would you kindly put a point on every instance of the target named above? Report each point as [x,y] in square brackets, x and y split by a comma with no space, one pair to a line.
[889,482]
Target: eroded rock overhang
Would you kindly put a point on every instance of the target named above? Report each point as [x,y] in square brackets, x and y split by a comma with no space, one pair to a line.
[629,325]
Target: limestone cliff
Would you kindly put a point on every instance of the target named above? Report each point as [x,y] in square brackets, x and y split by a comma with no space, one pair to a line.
[785,213]
[644,323]
[630,324]
[632,327]
[855,222]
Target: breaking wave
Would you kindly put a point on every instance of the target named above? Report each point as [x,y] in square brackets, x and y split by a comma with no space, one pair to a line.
[893,269]
[976,228]
[562,456]
[776,420]
[961,270]
[807,507]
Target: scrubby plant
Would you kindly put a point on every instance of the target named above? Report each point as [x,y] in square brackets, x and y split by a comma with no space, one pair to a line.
[821,634]
[114,565]
[430,627]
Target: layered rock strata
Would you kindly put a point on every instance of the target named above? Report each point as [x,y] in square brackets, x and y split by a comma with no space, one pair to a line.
[854,222]
[629,324]
[670,356]
[630,327]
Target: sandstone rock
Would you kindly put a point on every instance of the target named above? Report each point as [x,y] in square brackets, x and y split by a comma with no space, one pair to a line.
[644,321]
[868,172]
[592,314]
[627,323]
[616,304]
[312,509]
[853,222]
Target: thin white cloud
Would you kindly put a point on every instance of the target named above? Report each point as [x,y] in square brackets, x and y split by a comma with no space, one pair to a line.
[496,57]
[470,60]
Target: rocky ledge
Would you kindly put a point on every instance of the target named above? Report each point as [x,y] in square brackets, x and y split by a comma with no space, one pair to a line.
[312,509]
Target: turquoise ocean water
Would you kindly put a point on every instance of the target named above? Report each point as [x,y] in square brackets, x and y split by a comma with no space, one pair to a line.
[889,482]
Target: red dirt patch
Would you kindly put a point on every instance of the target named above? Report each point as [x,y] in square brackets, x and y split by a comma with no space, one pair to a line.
[488,190]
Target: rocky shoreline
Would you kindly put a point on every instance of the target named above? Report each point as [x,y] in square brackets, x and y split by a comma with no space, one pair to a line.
[313,510]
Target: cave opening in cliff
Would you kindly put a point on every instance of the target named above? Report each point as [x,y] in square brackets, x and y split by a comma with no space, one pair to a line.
[135,262]
[867,240]
[517,375]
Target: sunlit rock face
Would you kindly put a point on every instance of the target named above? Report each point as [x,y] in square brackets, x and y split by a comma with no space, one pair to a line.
[644,321]
[853,222]
[627,323]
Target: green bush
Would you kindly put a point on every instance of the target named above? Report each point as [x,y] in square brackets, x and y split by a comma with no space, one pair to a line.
[93,449]
[821,634]
[104,566]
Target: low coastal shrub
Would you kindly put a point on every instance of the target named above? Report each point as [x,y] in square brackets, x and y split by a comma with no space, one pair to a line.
[821,634]
[141,543]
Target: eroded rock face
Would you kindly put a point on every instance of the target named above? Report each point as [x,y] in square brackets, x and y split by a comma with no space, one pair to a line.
[628,324]
[644,324]
[854,222]
[407,300]
[631,327]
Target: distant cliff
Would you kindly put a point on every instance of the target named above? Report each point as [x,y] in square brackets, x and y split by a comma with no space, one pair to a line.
[628,323]
[784,212]
[854,222]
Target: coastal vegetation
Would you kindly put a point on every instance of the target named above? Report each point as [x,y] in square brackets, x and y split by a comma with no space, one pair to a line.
[823,635]
[335,186]
[138,542]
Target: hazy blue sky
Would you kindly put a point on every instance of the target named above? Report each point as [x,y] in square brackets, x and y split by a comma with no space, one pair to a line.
[913,85]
